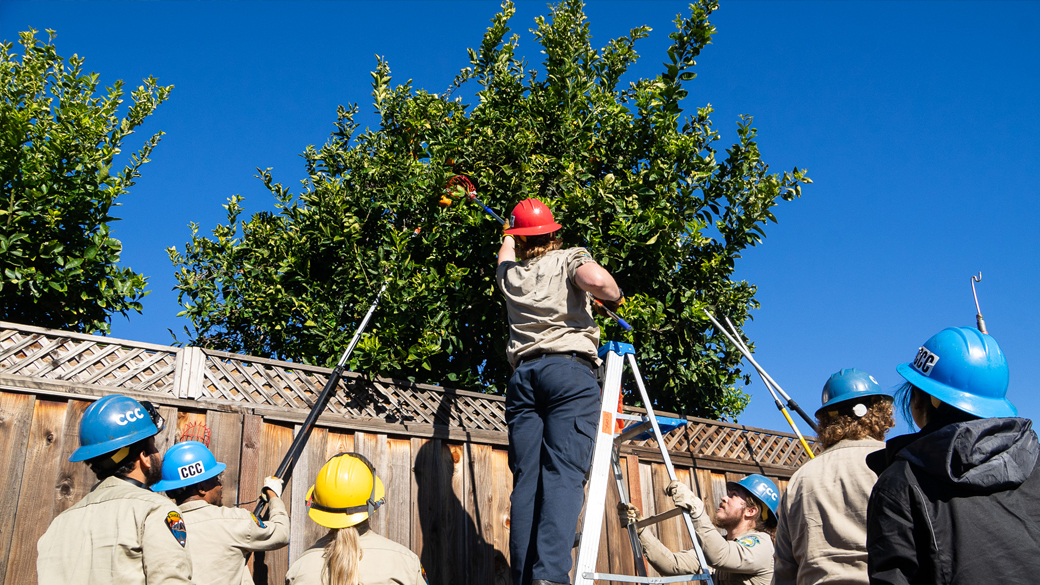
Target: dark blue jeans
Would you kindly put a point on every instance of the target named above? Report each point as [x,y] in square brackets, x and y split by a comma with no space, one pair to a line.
[552,406]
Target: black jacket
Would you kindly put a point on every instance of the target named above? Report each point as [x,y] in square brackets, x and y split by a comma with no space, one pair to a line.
[957,503]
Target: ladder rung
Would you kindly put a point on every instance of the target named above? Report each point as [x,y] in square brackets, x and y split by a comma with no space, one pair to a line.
[631,579]
[659,518]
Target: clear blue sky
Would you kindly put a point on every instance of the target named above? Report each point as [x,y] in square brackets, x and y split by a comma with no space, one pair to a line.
[917,121]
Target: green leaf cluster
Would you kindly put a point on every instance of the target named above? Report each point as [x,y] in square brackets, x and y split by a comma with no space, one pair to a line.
[626,171]
[58,138]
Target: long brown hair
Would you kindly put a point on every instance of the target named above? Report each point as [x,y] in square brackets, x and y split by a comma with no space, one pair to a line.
[535,246]
[342,557]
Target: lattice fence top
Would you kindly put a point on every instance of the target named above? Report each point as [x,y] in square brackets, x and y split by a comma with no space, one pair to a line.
[86,359]
[216,376]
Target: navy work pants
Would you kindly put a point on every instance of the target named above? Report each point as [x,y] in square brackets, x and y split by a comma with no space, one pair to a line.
[552,406]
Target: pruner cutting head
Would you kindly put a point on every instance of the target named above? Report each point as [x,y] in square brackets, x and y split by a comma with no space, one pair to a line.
[978,312]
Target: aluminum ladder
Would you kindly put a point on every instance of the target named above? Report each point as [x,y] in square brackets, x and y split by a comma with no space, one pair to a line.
[606,459]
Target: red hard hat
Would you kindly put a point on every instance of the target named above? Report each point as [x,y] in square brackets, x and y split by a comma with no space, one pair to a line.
[530,218]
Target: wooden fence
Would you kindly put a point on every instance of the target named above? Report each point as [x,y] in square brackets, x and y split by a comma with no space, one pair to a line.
[440,452]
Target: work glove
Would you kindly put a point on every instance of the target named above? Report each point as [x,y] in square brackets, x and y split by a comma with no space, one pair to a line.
[628,514]
[683,498]
[274,484]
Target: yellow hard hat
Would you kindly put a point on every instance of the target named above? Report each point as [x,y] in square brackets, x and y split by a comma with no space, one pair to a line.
[346,492]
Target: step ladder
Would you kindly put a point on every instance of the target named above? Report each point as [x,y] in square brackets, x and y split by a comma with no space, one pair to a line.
[606,459]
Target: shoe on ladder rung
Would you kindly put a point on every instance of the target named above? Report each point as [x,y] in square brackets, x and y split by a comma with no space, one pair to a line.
[606,461]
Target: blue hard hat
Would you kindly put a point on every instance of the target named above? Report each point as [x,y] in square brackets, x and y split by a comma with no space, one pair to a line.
[186,464]
[964,368]
[849,384]
[114,422]
[762,488]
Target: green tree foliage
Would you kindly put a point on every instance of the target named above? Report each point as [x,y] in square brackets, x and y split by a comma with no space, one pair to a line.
[626,171]
[58,139]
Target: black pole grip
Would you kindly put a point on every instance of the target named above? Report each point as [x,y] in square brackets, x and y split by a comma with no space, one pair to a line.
[285,468]
[808,420]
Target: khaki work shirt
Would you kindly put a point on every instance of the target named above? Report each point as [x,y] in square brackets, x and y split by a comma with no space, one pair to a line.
[222,538]
[548,312]
[821,533]
[747,560]
[383,562]
[119,534]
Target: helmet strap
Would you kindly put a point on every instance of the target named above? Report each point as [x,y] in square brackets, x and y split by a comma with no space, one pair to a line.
[370,506]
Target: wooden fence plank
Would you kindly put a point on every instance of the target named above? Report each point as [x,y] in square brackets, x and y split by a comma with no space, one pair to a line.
[503,487]
[338,441]
[164,440]
[305,531]
[16,415]
[398,484]
[225,441]
[460,485]
[646,483]
[275,440]
[74,480]
[374,448]
[481,548]
[415,542]
[41,468]
[668,531]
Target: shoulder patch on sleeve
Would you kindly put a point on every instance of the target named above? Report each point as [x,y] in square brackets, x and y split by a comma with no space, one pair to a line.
[749,541]
[176,525]
[258,521]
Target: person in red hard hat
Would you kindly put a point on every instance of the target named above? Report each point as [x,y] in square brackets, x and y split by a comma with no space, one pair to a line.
[553,397]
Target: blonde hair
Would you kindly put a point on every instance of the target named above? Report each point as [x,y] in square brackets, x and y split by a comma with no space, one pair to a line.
[342,558]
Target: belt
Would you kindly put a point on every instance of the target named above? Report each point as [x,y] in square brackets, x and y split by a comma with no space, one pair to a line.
[580,358]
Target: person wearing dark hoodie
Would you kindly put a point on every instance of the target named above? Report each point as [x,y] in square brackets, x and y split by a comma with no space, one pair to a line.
[958,501]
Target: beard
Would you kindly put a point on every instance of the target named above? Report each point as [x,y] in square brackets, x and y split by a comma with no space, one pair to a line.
[153,473]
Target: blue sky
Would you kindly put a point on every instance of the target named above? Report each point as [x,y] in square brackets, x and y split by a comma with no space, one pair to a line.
[917,122]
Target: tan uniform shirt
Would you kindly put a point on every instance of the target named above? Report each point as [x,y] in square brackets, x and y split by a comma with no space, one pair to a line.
[222,538]
[821,535]
[119,534]
[548,312]
[748,560]
[383,562]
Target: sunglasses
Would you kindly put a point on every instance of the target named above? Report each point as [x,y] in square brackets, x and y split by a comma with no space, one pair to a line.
[153,412]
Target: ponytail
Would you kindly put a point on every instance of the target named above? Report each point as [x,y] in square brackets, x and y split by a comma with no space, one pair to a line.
[342,558]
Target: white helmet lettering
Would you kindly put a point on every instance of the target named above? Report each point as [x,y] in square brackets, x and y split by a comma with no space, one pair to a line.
[121,420]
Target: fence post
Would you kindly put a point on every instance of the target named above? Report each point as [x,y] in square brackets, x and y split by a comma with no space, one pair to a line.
[189,374]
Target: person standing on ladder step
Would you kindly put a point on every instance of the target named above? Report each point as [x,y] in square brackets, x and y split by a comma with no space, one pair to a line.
[821,534]
[222,538]
[121,532]
[743,556]
[344,495]
[553,398]
[959,501]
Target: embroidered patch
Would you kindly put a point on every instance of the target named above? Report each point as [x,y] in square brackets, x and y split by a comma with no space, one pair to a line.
[176,525]
[258,521]
[749,541]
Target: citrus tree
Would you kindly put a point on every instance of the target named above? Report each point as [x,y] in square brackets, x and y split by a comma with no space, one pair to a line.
[629,174]
[58,139]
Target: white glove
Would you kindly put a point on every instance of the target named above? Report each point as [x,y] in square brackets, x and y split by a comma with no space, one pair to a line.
[628,514]
[274,484]
[683,498]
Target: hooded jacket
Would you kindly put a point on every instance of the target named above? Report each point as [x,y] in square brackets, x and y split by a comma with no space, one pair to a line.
[957,503]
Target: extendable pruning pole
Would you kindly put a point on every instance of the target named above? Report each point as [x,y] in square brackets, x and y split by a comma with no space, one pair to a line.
[769,382]
[285,468]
